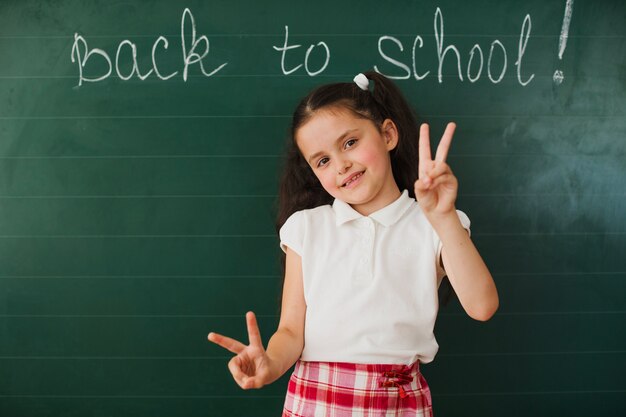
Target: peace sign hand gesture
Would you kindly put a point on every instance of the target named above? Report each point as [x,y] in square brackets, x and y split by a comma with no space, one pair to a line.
[251,367]
[436,188]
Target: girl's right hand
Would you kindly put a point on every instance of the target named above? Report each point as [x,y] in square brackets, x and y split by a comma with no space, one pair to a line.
[251,368]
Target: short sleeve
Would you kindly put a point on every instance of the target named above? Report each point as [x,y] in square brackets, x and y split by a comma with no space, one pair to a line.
[465,222]
[292,233]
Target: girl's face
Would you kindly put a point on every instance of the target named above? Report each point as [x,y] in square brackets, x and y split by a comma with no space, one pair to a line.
[350,157]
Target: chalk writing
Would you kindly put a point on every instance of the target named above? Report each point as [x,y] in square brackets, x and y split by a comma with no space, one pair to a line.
[193,51]
[453,52]
[287,47]
[567,16]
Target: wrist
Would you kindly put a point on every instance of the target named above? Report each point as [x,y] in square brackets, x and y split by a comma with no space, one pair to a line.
[445,223]
[275,369]
[442,218]
[283,350]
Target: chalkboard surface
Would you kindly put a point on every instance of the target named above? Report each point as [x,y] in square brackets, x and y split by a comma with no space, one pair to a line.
[140,147]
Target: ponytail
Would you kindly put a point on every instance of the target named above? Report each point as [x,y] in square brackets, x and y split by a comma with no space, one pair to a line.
[392,105]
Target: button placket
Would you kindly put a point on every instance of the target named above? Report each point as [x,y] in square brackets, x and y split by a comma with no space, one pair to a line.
[368,243]
[366,236]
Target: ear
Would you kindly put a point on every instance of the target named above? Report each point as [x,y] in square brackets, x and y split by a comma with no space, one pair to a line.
[390,134]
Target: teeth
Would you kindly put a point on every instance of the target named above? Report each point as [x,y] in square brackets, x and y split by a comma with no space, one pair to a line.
[353,179]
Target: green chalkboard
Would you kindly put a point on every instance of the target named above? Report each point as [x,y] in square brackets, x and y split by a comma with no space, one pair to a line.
[140,150]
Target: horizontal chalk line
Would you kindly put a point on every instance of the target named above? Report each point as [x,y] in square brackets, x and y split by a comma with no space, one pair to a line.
[138,276]
[260,156]
[141,396]
[253,276]
[453,116]
[144,196]
[280,35]
[542,195]
[304,76]
[239,316]
[471,394]
[265,236]
[143,236]
[194,358]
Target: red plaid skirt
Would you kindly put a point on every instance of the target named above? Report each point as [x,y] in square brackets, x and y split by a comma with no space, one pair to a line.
[334,389]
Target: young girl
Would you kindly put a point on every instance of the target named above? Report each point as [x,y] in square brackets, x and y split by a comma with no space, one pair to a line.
[363,258]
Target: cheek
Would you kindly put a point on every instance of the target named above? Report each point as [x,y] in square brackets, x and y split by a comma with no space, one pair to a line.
[327,179]
[372,158]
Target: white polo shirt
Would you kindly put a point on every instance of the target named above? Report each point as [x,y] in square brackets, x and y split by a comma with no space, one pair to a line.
[370,282]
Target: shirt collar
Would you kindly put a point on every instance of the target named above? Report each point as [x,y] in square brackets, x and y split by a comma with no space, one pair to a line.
[386,216]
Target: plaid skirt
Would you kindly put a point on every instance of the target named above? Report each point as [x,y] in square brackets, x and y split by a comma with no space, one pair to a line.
[335,389]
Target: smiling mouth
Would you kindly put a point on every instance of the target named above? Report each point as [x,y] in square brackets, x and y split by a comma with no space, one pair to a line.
[355,178]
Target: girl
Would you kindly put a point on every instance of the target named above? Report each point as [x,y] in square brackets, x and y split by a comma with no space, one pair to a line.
[363,258]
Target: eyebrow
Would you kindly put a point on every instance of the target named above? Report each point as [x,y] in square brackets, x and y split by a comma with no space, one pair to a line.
[339,139]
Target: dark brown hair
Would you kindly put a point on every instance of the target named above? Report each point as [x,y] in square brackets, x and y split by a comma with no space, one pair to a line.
[300,189]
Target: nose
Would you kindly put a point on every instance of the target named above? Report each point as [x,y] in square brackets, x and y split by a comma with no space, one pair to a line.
[343,165]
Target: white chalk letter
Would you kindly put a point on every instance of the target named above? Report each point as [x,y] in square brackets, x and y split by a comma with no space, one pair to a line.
[154,65]
[469,64]
[417,77]
[135,69]
[83,62]
[489,62]
[306,59]
[440,54]
[193,57]
[393,61]
[523,39]
[284,49]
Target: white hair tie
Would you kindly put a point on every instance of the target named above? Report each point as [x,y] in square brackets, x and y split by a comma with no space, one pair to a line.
[361,80]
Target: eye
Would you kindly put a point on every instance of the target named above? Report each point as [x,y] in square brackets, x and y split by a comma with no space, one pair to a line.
[350,141]
[319,163]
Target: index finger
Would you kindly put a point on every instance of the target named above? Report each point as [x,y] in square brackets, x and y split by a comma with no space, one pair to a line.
[444,144]
[254,335]
[226,342]
[424,149]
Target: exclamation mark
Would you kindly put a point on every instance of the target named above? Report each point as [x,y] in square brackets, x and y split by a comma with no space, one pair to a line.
[558,74]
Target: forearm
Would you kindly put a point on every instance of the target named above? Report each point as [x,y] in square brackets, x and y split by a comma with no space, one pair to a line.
[283,349]
[468,274]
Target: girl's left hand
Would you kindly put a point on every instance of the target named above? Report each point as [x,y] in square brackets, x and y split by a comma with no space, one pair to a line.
[436,188]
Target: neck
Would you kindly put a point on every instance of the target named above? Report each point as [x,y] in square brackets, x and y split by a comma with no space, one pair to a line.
[386,196]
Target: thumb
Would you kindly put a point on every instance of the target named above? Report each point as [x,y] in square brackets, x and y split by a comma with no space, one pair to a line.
[425,196]
[251,382]
[422,187]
